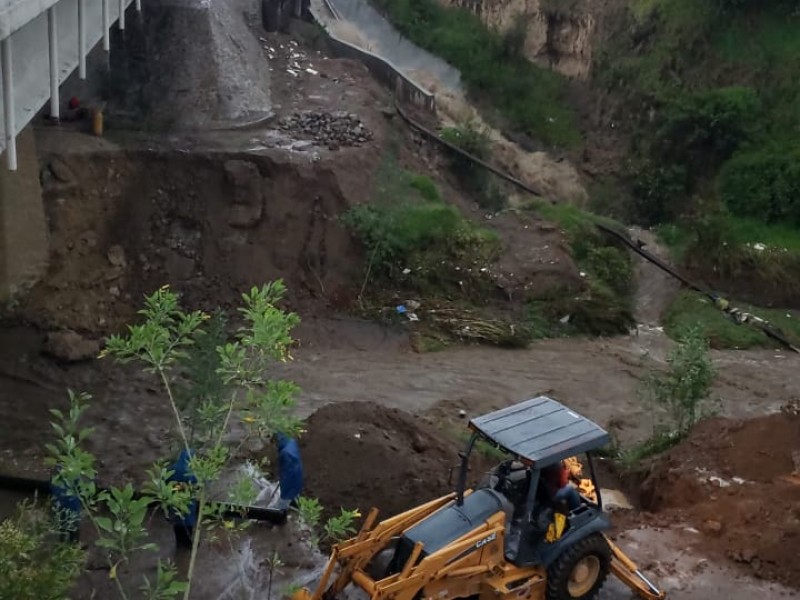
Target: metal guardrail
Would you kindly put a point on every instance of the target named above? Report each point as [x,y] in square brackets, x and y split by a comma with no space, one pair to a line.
[381,68]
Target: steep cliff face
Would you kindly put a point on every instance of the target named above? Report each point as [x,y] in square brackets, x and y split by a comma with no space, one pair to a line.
[558,38]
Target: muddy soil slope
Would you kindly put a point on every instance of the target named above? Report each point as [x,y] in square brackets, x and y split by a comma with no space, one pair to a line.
[738,483]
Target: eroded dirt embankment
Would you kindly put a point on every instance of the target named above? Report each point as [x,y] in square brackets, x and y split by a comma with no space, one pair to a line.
[210,226]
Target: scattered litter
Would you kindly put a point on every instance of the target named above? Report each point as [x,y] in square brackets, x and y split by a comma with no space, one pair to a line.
[582,274]
[357,436]
[312,71]
[564,320]
[292,73]
[406,271]
[462,413]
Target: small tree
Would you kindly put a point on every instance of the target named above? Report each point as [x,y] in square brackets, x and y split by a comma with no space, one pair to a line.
[33,565]
[209,382]
[684,391]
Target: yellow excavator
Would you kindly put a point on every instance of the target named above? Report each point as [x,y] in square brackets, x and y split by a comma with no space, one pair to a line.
[509,539]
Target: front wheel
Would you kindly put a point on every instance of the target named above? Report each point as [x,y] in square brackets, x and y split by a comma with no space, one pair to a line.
[580,571]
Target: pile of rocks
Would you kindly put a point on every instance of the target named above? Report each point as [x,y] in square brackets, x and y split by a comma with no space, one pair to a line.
[328,129]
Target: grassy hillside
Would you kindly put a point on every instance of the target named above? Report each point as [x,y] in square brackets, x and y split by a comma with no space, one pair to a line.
[525,97]
[711,98]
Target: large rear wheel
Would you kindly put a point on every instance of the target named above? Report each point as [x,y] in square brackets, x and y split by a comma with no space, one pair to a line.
[580,571]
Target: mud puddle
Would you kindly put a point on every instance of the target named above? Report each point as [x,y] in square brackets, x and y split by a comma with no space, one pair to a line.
[684,575]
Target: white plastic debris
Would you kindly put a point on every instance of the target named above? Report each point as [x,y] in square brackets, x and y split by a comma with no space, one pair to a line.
[406,271]
[312,72]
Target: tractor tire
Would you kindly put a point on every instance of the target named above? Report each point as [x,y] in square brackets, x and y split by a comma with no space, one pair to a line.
[580,571]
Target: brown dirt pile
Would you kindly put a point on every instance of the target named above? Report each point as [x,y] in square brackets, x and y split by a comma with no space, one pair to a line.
[360,454]
[737,482]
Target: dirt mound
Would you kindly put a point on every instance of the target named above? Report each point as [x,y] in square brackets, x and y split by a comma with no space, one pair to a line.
[359,454]
[737,483]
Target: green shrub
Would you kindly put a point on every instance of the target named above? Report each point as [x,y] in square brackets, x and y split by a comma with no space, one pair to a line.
[660,192]
[425,186]
[612,267]
[472,139]
[596,311]
[682,394]
[701,129]
[763,184]
[427,245]
[33,563]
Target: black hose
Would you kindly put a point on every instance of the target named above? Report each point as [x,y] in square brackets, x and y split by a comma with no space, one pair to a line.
[452,147]
[38,486]
[765,327]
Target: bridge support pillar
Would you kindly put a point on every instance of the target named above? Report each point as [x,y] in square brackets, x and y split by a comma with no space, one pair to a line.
[23,227]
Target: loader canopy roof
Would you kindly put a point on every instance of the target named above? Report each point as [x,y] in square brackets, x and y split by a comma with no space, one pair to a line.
[540,430]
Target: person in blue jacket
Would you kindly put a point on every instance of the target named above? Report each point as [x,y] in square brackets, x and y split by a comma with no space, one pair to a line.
[183,525]
[67,507]
[290,470]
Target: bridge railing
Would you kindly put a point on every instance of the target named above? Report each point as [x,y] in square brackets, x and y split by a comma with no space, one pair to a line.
[41,43]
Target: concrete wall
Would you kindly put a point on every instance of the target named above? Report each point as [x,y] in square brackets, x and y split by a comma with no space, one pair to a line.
[405,89]
[23,227]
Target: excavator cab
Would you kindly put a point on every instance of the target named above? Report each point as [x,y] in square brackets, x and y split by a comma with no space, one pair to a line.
[540,526]
[509,539]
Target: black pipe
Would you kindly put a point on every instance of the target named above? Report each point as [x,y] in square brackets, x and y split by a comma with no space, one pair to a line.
[765,327]
[452,147]
[256,513]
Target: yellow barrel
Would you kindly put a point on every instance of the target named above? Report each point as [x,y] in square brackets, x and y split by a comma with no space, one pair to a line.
[97,122]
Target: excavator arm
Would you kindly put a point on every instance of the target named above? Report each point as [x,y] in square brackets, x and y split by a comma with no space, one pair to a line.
[628,573]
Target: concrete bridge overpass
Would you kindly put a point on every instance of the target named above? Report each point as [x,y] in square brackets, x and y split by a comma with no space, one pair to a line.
[42,42]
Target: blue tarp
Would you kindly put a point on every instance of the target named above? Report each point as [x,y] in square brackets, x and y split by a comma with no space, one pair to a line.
[290,468]
[182,474]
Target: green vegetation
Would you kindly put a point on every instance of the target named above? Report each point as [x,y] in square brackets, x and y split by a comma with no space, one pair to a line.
[691,310]
[210,381]
[224,376]
[678,398]
[531,99]
[33,563]
[709,93]
[335,529]
[470,138]
[604,307]
[763,184]
[414,239]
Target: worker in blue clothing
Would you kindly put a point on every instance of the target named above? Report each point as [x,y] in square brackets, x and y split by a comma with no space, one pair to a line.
[290,470]
[67,508]
[183,525]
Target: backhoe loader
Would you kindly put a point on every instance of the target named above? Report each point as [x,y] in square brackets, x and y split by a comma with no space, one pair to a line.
[506,540]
